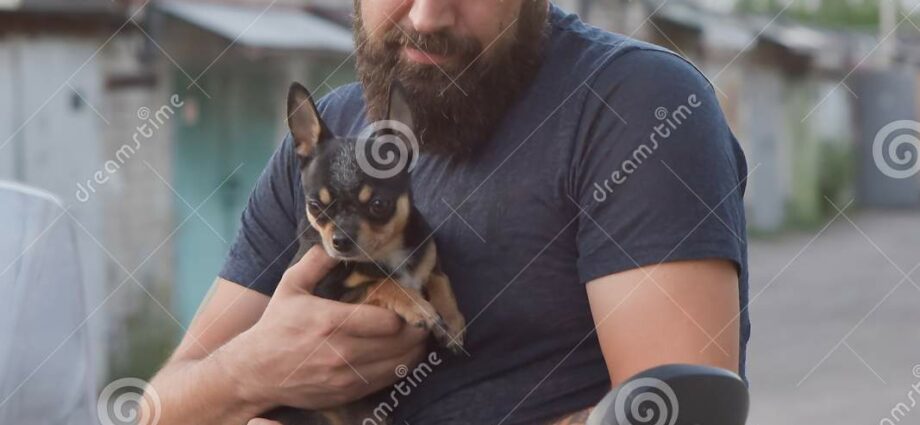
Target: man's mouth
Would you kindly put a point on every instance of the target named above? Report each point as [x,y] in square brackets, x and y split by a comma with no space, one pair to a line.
[422,57]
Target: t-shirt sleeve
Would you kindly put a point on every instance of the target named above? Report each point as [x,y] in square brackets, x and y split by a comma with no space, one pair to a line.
[658,175]
[267,239]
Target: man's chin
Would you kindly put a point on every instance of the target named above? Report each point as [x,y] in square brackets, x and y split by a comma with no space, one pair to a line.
[458,103]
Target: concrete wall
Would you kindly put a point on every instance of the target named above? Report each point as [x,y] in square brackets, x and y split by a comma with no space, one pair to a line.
[8,114]
[887,97]
[53,138]
[138,208]
[63,125]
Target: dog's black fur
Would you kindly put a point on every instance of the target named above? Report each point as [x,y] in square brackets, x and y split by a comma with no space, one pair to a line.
[387,256]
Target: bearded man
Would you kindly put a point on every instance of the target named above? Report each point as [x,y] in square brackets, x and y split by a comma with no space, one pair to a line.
[587,196]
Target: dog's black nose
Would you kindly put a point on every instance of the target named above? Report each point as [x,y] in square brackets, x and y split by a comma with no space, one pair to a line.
[341,242]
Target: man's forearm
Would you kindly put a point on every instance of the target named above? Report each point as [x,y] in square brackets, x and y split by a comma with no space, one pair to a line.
[199,392]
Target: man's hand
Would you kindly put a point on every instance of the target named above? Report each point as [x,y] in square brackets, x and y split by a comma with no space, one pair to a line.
[314,353]
[245,354]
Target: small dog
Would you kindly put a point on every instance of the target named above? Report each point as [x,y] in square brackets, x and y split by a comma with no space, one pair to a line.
[388,258]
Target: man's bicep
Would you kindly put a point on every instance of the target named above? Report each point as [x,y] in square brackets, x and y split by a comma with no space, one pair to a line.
[681,312]
[229,310]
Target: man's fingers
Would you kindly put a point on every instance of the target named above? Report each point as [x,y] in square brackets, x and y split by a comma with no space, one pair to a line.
[303,276]
[391,370]
[411,335]
[375,349]
[366,321]
[260,421]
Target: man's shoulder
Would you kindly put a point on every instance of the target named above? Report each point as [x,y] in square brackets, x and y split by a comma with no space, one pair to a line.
[600,55]
[343,110]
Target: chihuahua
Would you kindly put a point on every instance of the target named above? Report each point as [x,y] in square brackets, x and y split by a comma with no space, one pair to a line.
[387,256]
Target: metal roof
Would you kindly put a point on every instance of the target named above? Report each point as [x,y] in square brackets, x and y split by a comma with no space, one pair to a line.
[274,27]
[829,49]
[59,6]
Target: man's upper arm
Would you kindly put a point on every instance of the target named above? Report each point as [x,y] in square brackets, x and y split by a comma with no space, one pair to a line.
[659,182]
[682,312]
[228,310]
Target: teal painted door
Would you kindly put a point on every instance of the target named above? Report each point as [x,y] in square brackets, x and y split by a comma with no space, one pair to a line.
[222,145]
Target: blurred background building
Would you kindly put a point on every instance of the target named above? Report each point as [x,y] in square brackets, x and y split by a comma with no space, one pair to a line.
[151,121]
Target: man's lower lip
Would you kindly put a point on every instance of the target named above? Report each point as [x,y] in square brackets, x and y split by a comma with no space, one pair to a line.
[419,56]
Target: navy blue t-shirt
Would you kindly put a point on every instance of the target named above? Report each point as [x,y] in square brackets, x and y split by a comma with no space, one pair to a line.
[617,156]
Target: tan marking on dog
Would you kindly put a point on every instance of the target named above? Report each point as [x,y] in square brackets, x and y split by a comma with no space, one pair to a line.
[324,230]
[442,298]
[324,196]
[426,264]
[365,194]
[407,303]
[357,279]
[333,417]
[379,241]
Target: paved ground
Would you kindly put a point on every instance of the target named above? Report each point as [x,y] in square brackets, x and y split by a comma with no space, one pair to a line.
[837,325]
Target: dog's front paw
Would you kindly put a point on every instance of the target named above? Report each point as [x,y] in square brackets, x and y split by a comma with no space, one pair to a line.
[450,334]
[421,314]
[456,345]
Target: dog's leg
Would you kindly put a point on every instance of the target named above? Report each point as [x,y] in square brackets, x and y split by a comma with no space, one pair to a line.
[407,303]
[333,417]
[443,300]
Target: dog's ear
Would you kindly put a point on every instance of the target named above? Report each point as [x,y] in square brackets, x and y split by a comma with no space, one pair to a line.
[398,108]
[303,119]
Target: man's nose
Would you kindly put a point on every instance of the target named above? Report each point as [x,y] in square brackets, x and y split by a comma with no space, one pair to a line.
[430,16]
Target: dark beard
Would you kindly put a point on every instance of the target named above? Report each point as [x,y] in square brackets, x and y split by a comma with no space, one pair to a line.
[458,106]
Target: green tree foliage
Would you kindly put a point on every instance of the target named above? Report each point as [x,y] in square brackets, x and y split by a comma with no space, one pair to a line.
[836,13]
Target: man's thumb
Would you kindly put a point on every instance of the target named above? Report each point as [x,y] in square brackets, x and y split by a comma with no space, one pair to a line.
[303,276]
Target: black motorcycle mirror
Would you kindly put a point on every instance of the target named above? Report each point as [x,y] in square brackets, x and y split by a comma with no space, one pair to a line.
[675,395]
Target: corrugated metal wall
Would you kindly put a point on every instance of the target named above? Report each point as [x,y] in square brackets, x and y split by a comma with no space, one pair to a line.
[885,98]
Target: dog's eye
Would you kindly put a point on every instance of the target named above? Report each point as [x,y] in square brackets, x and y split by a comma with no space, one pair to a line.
[315,207]
[380,207]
